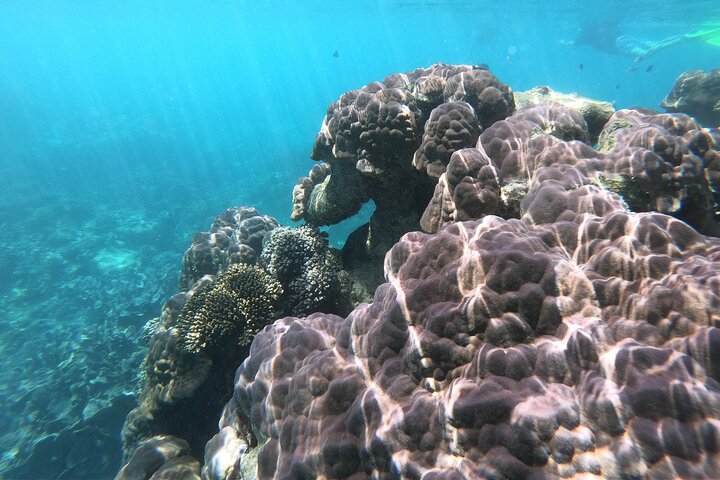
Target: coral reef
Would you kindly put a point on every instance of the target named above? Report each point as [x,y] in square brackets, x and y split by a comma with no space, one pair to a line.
[371,137]
[186,375]
[235,306]
[500,348]
[162,456]
[673,166]
[236,236]
[696,93]
[558,318]
[194,347]
[451,126]
[309,271]
[596,113]
[180,390]
[655,162]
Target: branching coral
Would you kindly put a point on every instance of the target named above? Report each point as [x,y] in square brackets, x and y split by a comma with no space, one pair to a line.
[237,304]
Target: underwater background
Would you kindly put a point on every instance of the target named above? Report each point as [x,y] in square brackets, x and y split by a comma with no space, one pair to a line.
[126,126]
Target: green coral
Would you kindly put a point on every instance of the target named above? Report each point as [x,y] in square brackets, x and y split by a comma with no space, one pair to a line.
[237,304]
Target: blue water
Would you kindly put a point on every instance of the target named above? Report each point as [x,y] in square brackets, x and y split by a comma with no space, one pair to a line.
[126,126]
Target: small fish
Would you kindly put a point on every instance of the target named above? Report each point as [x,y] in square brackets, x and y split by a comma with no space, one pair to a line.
[632,69]
[581,67]
[617,87]
[649,69]
[336,54]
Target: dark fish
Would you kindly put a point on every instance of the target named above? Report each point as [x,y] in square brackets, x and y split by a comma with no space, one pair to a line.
[581,67]
[617,87]
[336,54]
[649,69]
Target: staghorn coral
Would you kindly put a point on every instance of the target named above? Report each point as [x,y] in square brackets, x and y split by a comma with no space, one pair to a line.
[309,271]
[236,305]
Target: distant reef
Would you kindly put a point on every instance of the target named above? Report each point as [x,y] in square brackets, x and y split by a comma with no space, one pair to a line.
[536,295]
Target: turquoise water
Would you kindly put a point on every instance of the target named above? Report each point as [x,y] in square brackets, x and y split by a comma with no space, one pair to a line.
[125,127]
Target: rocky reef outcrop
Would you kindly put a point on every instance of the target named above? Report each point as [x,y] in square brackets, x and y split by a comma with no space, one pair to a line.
[501,349]
[655,162]
[558,317]
[252,271]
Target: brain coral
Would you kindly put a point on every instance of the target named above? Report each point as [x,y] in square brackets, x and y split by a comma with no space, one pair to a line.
[234,306]
[499,349]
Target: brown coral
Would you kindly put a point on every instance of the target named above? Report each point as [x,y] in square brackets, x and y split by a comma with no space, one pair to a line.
[502,349]
[236,305]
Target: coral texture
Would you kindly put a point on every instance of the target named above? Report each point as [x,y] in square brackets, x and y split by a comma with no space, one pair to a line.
[309,271]
[696,93]
[236,236]
[572,338]
[235,306]
[655,162]
[159,457]
[491,99]
[596,113]
[175,383]
[500,349]
[451,126]
[388,142]
[559,318]
[371,137]
[186,376]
